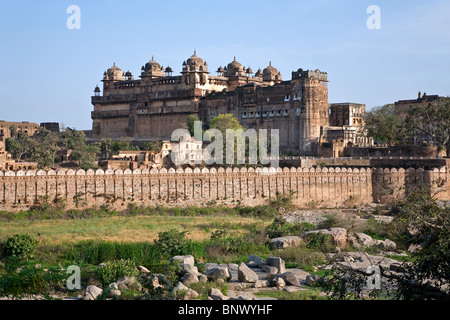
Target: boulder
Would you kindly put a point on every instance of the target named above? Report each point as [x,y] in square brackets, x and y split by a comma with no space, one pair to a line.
[352,241]
[259,261]
[210,265]
[365,239]
[202,278]
[387,245]
[183,260]
[285,242]
[112,293]
[414,248]
[154,282]
[189,279]
[278,282]
[291,278]
[92,293]
[179,287]
[188,293]
[269,269]
[311,280]
[188,268]
[217,273]
[216,294]
[245,274]
[338,236]
[128,283]
[143,269]
[277,263]
[252,264]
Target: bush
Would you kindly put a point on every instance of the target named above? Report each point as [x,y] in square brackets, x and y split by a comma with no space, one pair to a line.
[301,257]
[319,241]
[28,280]
[172,242]
[95,252]
[280,228]
[112,270]
[22,246]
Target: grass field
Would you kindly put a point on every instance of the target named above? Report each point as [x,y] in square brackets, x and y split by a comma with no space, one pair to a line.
[127,229]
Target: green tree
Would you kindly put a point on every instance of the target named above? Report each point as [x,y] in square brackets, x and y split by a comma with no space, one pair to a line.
[19,145]
[122,144]
[44,148]
[223,122]
[106,148]
[190,123]
[431,122]
[82,153]
[155,146]
[383,125]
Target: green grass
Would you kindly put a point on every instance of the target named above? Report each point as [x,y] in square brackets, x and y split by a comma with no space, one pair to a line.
[129,229]
[309,294]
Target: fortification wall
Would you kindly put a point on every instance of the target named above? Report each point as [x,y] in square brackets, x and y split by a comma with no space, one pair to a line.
[331,187]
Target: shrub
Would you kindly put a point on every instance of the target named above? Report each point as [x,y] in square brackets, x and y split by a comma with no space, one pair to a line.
[28,280]
[319,241]
[280,228]
[113,270]
[301,257]
[22,246]
[172,242]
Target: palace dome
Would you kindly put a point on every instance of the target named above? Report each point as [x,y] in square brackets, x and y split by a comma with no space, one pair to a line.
[152,65]
[114,73]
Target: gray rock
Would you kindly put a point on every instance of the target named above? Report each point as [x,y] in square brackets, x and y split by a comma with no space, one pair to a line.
[114,286]
[143,269]
[216,294]
[311,279]
[259,261]
[414,248]
[245,274]
[128,283]
[278,282]
[202,278]
[92,293]
[291,278]
[387,245]
[112,293]
[252,264]
[210,265]
[189,279]
[278,263]
[365,239]
[285,242]
[188,268]
[183,259]
[188,293]
[269,269]
[179,287]
[216,273]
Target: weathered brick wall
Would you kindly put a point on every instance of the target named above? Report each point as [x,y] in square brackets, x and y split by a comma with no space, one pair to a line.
[309,187]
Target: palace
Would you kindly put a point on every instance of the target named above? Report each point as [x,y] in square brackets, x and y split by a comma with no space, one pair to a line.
[152,107]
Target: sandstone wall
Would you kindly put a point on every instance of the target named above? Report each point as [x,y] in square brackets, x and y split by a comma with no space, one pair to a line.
[330,187]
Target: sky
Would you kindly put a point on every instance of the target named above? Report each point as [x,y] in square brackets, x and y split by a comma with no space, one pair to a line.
[50,71]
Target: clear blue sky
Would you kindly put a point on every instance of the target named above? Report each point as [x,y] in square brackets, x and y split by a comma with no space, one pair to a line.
[49,72]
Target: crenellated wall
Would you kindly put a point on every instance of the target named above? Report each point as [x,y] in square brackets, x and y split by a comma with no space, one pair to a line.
[329,187]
